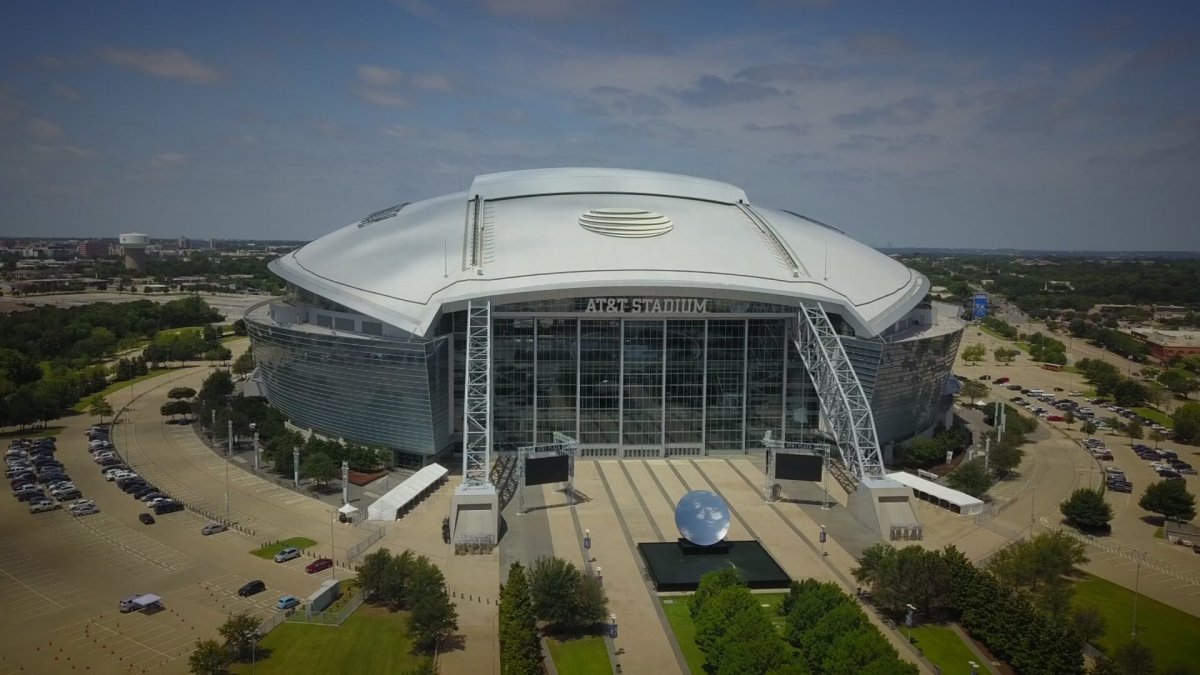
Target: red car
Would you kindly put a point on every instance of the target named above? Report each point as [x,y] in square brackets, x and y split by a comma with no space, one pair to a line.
[318,565]
[1001,380]
[1055,418]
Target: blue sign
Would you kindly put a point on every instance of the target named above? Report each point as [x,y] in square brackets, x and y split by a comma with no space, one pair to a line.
[822,536]
[587,543]
[980,309]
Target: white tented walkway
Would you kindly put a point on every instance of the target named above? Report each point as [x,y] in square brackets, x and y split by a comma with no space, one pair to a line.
[947,498]
[389,506]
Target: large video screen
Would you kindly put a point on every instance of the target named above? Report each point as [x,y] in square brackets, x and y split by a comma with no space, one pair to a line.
[542,470]
[797,467]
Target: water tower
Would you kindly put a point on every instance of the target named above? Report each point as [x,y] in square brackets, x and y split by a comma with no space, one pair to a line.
[134,246]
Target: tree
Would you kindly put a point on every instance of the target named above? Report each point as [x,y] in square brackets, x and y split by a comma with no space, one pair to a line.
[1187,423]
[1005,457]
[974,353]
[1087,510]
[98,406]
[244,364]
[208,658]
[1129,392]
[898,577]
[433,614]
[1179,381]
[970,477]
[1005,354]
[181,393]
[520,649]
[1069,417]
[1157,436]
[922,452]
[1088,622]
[215,389]
[241,632]
[1170,499]
[370,574]
[239,327]
[319,467]
[1134,429]
[1088,428]
[1134,658]
[974,389]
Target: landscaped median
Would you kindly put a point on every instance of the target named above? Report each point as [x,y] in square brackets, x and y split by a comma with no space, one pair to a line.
[941,646]
[268,552]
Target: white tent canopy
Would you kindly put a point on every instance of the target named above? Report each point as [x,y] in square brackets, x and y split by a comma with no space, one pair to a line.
[388,506]
[347,509]
[947,498]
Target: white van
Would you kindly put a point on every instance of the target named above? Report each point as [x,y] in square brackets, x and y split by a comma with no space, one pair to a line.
[1113,471]
[1036,392]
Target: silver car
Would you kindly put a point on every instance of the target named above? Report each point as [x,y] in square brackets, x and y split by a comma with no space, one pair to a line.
[213,528]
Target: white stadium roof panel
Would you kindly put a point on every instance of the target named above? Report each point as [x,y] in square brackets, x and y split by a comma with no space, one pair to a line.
[536,241]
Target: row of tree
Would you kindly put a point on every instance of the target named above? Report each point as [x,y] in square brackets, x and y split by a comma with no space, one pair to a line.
[1109,382]
[1003,454]
[1019,607]
[187,345]
[824,631]
[922,453]
[553,592]
[412,583]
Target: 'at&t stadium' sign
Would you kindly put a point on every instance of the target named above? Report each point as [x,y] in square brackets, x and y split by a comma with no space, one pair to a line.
[647,306]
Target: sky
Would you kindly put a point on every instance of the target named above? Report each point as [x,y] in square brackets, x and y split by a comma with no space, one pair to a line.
[1054,125]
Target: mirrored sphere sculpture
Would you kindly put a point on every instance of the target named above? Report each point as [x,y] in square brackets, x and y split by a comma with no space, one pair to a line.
[702,517]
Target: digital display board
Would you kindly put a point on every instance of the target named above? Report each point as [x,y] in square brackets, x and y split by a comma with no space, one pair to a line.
[556,469]
[980,308]
[797,467]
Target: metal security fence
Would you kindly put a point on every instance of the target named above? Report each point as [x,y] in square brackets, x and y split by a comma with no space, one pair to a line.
[329,618]
[374,534]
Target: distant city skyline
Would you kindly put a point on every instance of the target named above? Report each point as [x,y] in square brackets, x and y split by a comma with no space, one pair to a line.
[1069,126]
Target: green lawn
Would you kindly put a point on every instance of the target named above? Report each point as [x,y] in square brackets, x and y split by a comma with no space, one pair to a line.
[581,656]
[113,388]
[270,550]
[1169,632]
[676,609]
[942,646]
[1156,416]
[31,432]
[373,640]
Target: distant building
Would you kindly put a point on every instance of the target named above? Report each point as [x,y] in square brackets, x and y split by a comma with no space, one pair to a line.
[183,244]
[93,249]
[134,246]
[1168,344]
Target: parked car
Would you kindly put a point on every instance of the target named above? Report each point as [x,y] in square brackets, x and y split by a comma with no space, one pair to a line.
[318,565]
[83,510]
[1120,487]
[146,518]
[1001,380]
[287,602]
[41,506]
[212,528]
[251,587]
[168,506]
[289,553]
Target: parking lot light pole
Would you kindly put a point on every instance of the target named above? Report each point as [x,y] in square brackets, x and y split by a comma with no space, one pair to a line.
[228,459]
[1137,579]
[333,567]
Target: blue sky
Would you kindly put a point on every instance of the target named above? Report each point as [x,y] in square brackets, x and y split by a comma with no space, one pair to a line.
[1064,125]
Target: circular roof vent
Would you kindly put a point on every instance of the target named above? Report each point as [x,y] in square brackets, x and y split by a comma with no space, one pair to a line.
[630,223]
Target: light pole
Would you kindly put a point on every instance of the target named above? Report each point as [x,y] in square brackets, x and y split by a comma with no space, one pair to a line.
[974,667]
[908,621]
[822,538]
[825,483]
[228,459]
[333,567]
[253,427]
[1137,579]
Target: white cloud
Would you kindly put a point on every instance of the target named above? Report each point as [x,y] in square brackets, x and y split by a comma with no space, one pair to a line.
[168,159]
[67,93]
[379,76]
[381,97]
[172,64]
[45,131]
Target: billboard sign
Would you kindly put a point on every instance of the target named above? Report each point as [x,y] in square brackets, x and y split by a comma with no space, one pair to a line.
[980,307]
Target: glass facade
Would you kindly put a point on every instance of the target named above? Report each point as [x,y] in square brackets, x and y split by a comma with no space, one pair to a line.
[372,391]
[639,383]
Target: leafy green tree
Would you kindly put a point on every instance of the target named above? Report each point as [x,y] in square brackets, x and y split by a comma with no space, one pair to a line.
[921,453]
[1089,622]
[319,467]
[98,406]
[239,327]
[974,389]
[241,632]
[371,573]
[1187,423]
[1134,430]
[1170,499]
[898,577]
[1034,564]
[970,477]
[1005,456]
[974,353]
[1134,658]
[243,364]
[181,393]
[711,584]
[397,581]
[1157,436]
[1179,381]
[434,616]
[1129,392]
[817,642]
[1088,428]
[1069,418]
[208,657]
[1086,509]
[215,389]
[562,597]
[520,648]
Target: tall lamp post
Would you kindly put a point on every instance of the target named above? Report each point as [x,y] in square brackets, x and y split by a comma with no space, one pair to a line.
[1137,580]
[228,459]
[908,621]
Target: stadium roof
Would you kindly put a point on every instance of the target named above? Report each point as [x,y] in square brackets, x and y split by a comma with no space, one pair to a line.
[603,232]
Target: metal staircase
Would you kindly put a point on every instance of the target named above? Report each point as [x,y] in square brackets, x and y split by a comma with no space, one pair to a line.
[843,403]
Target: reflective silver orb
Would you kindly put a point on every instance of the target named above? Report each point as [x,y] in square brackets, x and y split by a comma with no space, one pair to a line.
[702,517]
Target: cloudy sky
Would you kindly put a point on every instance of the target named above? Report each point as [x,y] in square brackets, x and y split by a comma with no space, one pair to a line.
[1062,125]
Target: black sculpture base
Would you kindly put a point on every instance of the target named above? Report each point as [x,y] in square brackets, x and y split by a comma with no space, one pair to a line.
[678,565]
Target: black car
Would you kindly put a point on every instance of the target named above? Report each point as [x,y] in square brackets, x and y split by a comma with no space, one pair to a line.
[1120,487]
[146,518]
[30,496]
[131,484]
[167,507]
[252,587]
[143,491]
